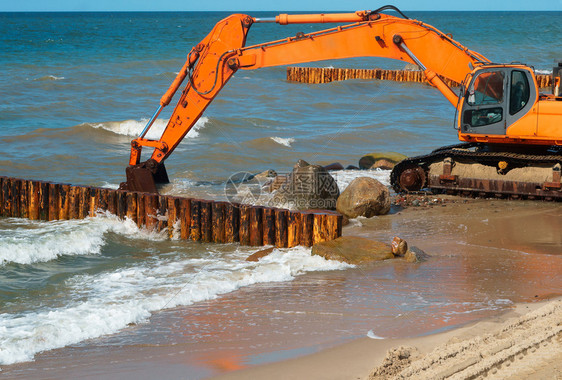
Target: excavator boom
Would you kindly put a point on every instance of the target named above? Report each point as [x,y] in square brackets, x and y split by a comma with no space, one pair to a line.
[212,62]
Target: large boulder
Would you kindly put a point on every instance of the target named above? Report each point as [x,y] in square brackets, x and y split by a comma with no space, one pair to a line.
[307,187]
[353,250]
[364,196]
[383,160]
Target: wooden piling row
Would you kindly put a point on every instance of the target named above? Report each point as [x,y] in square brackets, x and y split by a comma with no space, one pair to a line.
[315,75]
[183,218]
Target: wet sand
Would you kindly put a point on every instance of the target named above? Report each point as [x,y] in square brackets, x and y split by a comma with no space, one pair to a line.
[489,259]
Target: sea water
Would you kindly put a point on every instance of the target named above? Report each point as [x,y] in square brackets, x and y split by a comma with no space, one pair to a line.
[77,87]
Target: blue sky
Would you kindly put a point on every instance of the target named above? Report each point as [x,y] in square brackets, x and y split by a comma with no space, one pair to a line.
[257,5]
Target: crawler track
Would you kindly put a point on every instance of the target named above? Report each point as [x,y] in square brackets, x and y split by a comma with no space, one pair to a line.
[464,169]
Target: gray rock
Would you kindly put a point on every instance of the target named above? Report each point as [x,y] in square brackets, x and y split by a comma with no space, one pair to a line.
[307,187]
[415,255]
[364,196]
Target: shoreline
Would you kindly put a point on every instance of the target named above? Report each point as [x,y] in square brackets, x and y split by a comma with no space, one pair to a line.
[484,268]
[358,359]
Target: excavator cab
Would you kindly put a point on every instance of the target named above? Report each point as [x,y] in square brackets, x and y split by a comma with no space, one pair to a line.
[496,98]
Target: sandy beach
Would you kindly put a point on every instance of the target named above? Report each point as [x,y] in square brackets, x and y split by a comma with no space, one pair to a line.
[492,262]
[525,343]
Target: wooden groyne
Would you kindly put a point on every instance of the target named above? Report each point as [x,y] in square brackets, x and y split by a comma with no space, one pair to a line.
[330,74]
[186,218]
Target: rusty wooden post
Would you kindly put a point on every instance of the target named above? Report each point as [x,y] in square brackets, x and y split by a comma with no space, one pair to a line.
[307,221]
[218,222]
[173,216]
[131,201]
[162,212]
[206,221]
[244,229]
[7,197]
[43,200]
[268,226]
[319,228]
[2,178]
[151,211]
[294,228]
[339,226]
[232,222]
[281,233]
[74,202]
[53,211]
[24,199]
[63,201]
[195,226]
[185,217]
[121,204]
[141,215]
[102,199]
[84,202]
[15,192]
[256,226]
[111,201]
[93,201]
[34,188]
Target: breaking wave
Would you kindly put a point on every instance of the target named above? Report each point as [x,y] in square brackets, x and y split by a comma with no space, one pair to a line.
[134,128]
[104,303]
[283,141]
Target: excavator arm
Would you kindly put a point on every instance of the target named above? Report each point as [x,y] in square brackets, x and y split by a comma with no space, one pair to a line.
[212,63]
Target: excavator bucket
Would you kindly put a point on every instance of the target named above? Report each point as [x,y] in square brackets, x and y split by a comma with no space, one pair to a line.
[145,177]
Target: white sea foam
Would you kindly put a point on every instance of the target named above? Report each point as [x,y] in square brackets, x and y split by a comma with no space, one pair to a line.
[32,241]
[107,302]
[135,127]
[543,72]
[283,141]
[372,335]
[48,77]
[344,177]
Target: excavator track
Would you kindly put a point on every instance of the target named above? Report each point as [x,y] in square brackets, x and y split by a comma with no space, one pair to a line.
[467,169]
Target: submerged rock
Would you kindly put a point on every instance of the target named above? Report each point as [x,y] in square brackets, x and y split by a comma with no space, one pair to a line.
[353,250]
[415,255]
[364,196]
[388,160]
[259,254]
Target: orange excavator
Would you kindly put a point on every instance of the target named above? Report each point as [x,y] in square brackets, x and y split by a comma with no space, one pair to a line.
[511,133]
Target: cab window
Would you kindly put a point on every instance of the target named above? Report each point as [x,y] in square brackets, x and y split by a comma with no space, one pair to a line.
[519,92]
[487,88]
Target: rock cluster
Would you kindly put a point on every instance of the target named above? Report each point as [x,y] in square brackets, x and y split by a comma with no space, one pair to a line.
[307,187]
